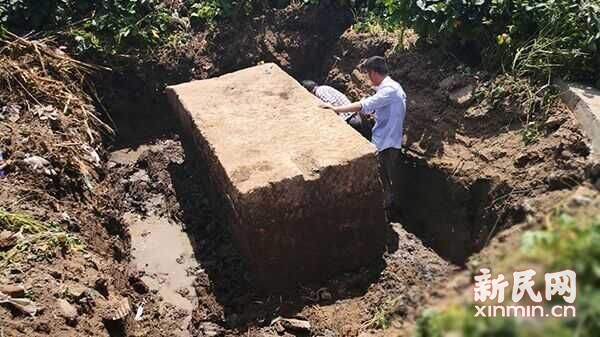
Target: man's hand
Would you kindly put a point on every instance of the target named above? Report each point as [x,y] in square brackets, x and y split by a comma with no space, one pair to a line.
[326,106]
[354,107]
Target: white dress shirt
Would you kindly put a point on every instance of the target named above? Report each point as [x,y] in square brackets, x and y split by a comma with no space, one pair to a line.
[389,106]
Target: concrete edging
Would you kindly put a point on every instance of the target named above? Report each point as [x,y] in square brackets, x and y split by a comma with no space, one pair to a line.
[584,101]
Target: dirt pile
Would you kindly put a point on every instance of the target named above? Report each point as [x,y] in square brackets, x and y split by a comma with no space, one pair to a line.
[54,205]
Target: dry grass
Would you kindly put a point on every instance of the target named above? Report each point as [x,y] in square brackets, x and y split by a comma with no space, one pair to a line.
[38,73]
[56,118]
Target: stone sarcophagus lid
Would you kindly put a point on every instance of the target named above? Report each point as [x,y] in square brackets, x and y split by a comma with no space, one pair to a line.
[298,187]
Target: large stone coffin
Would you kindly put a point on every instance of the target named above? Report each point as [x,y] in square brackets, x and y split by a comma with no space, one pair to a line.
[298,187]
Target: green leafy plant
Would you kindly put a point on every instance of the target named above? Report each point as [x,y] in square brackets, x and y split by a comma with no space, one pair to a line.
[380,320]
[106,27]
[550,36]
[209,11]
[123,25]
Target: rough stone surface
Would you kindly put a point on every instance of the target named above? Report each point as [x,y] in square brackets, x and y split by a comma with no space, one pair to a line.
[299,187]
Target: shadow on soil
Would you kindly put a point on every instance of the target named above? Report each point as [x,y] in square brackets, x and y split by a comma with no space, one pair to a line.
[452,218]
[234,300]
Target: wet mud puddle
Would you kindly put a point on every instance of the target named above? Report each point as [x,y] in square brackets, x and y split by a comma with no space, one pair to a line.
[160,250]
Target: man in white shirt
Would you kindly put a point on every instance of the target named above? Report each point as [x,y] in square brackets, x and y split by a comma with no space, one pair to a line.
[334,97]
[389,107]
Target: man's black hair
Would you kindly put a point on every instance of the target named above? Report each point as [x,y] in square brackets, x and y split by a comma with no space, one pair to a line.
[309,85]
[376,64]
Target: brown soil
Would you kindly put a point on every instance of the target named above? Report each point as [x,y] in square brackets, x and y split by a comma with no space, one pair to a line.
[66,190]
[466,176]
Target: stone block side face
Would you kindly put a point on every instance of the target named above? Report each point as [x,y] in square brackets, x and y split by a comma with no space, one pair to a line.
[219,188]
[584,101]
[302,230]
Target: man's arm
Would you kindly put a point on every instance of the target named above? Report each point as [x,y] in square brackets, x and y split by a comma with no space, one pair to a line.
[382,98]
[352,107]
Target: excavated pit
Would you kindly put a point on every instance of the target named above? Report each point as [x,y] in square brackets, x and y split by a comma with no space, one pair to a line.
[449,217]
[167,181]
[452,218]
[442,213]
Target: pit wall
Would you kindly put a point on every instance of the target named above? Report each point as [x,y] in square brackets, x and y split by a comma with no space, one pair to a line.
[451,217]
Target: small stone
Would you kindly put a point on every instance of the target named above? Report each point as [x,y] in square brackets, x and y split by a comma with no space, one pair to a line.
[36,162]
[554,122]
[294,324]
[139,176]
[75,290]
[463,95]
[12,290]
[477,112]
[597,184]
[8,239]
[210,329]
[579,201]
[67,310]
[525,158]
[558,180]
[87,300]
[42,327]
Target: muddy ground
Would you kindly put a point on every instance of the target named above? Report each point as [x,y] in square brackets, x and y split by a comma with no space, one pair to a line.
[157,183]
[150,236]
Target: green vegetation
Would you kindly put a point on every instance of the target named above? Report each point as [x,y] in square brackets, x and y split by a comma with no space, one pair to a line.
[567,242]
[118,26]
[547,37]
[106,27]
[33,239]
[550,37]
[380,319]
